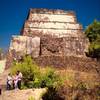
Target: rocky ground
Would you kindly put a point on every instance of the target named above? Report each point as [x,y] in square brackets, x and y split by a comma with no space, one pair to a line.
[72,77]
[76,71]
[18,94]
[22,94]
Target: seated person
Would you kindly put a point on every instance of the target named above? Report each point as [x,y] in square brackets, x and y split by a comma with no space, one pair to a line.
[9,81]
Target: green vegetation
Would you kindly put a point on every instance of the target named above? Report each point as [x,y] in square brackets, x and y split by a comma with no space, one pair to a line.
[60,85]
[34,76]
[93,33]
[31,98]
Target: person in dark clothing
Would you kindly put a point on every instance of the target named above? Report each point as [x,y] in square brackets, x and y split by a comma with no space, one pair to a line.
[19,79]
[9,81]
[0,90]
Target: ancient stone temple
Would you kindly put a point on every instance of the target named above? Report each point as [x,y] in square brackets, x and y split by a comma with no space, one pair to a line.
[49,32]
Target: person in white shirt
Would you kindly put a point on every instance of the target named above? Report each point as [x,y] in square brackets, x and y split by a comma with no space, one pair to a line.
[15,81]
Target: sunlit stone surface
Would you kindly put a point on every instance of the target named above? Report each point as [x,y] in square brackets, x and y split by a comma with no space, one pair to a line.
[49,32]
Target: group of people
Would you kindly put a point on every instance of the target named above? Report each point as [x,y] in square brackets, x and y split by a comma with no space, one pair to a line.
[14,81]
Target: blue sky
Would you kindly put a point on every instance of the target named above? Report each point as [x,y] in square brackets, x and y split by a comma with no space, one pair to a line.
[14,12]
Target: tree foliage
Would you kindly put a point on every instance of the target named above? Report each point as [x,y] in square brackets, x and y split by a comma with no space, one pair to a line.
[93,33]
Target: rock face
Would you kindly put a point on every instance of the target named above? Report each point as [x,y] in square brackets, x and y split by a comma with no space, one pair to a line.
[25,45]
[49,32]
[58,33]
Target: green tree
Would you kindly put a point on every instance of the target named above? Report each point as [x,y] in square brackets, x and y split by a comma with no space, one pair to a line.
[93,33]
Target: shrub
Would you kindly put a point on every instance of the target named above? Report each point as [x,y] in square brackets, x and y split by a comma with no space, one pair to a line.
[33,77]
[53,82]
[93,33]
[31,98]
[29,70]
[53,94]
[50,78]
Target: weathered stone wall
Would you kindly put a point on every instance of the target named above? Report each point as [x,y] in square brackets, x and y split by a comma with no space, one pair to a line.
[66,46]
[50,14]
[47,45]
[49,32]
[25,45]
[69,62]
[57,23]
[64,35]
[75,46]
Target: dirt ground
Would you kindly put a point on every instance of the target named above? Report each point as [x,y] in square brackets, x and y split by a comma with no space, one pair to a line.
[22,94]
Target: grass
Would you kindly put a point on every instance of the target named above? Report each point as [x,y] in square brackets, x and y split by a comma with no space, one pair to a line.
[73,78]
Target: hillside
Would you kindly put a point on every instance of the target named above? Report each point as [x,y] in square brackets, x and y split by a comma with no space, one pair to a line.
[90,81]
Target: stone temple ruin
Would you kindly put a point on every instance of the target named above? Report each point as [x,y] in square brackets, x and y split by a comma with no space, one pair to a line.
[49,32]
